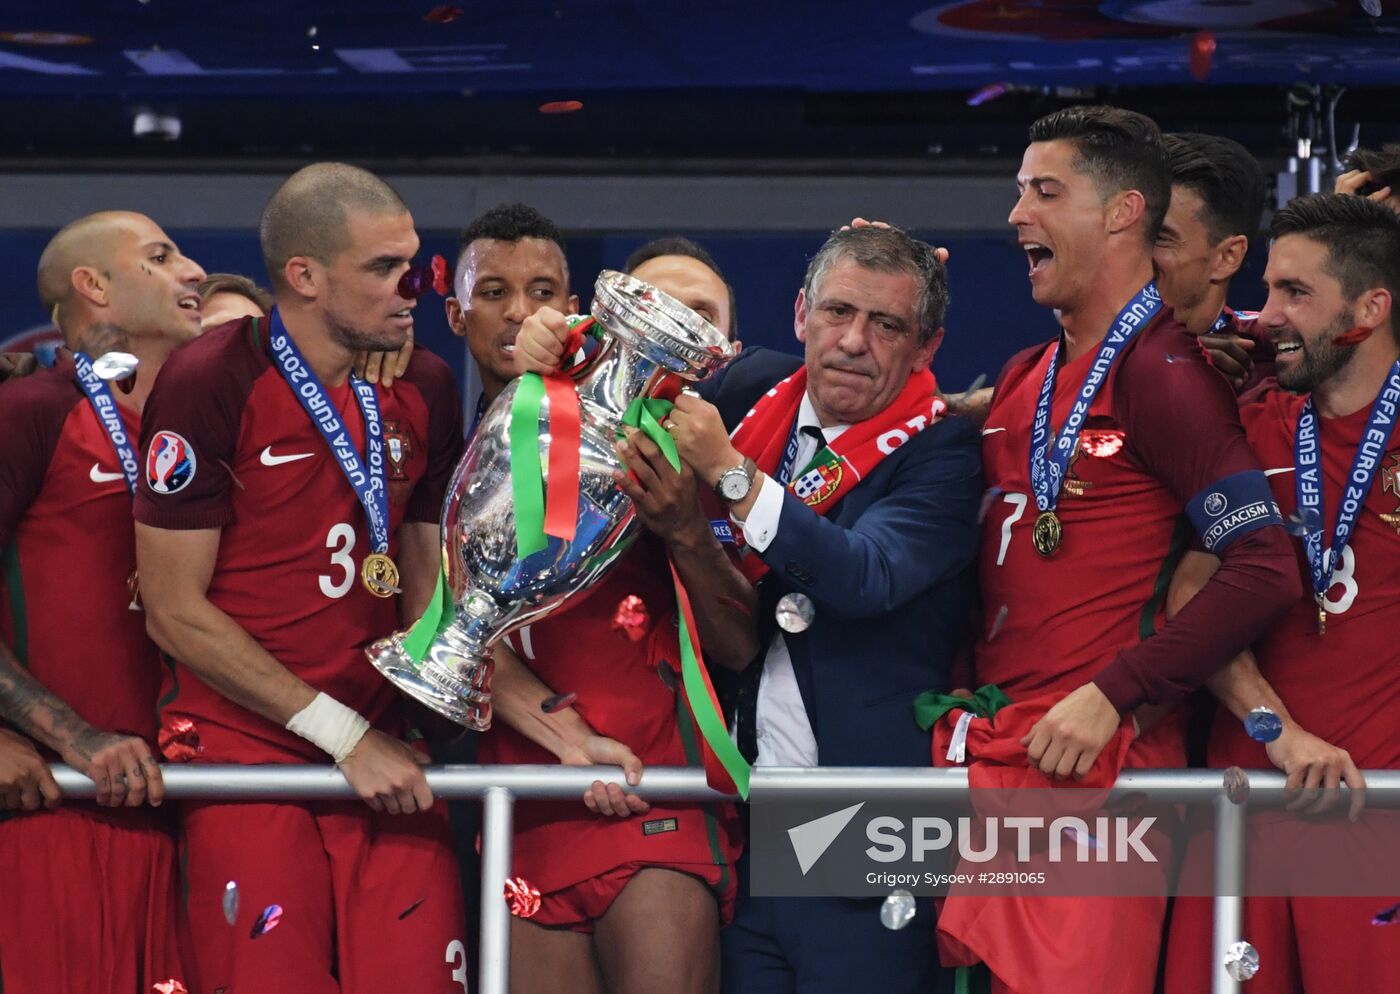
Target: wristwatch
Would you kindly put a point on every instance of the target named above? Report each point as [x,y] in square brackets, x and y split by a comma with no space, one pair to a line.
[734,484]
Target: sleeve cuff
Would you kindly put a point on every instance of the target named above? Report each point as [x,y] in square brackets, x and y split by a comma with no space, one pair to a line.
[183,519]
[1116,682]
[761,526]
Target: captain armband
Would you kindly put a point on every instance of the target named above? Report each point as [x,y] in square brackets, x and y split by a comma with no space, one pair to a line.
[1229,509]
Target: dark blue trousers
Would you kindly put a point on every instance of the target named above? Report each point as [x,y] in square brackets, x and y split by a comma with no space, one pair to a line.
[827,945]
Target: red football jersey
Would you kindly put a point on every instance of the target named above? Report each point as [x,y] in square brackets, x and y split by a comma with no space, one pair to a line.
[1341,686]
[227,445]
[1158,432]
[624,692]
[65,526]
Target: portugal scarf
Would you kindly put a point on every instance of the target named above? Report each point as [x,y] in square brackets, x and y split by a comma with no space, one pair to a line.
[765,432]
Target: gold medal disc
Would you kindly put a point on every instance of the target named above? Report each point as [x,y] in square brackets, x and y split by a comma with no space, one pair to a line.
[380,575]
[1046,533]
[133,591]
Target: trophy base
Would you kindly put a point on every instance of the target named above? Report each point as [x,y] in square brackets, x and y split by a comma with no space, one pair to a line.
[436,684]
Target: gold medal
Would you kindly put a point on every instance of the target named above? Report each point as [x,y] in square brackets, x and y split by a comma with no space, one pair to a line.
[1321,617]
[380,575]
[1047,533]
[133,591]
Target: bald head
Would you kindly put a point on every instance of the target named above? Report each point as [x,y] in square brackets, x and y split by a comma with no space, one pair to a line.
[308,214]
[90,242]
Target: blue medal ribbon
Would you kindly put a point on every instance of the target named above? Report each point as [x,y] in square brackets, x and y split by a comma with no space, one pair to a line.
[104,405]
[1308,480]
[789,464]
[370,482]
[476,418]
[1048,465]
[1221,322]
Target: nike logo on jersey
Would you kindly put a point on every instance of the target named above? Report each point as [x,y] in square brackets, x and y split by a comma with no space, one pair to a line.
[991,431]
[97,476]
[268,459]
[1276,472]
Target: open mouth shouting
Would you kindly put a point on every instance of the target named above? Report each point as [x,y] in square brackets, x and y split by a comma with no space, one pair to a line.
[1038,255]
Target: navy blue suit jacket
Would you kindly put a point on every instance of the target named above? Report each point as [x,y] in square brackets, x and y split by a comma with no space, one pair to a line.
[890,570]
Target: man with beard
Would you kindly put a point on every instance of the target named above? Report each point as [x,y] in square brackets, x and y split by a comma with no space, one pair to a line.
[91,889]
[1328,669]
[283,502]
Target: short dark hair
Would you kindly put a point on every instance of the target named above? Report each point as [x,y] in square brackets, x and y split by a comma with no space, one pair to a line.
[236,283]
[1229,181]
[1362,239]
[1383,164]
[887,250]
[676,245]
[308,213]
[509,223]
[1119,149]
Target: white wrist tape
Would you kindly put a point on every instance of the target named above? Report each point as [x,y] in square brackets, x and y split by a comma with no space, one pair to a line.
[330,726]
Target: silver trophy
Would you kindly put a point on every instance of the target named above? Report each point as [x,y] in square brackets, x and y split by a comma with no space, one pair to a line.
[648,335]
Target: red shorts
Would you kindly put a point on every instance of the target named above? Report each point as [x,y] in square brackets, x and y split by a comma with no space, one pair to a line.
[1305,943]
[578,907]
[370,902]
[1108,945]
[87,902]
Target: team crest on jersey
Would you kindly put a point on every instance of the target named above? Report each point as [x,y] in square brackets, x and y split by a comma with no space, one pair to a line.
[1390,484]
[819,482]
[399,448]
[1075,484]
[169,463]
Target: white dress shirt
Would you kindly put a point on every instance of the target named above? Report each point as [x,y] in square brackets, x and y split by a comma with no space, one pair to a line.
[783,730]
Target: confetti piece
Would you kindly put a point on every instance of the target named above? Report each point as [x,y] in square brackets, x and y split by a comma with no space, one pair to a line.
[631,618]
[442,276]
[230,902]
[443,14]
[270,918]
[179,740]
[1202,54]
[1101,442]
[524,899]
[557,702]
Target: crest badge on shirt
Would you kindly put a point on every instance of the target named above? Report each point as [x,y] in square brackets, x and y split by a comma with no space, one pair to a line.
[398,451]
[170,463]
[398,446]
[1390,483]
[819,482]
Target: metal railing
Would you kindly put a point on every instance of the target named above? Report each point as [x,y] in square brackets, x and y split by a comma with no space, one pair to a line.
[499,787]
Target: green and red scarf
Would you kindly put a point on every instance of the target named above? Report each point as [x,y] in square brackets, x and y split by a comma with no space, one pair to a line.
[841,464]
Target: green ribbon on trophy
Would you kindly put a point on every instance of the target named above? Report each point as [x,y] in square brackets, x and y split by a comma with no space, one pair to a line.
[725,767]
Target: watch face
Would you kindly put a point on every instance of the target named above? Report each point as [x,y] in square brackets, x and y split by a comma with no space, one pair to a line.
[734,485]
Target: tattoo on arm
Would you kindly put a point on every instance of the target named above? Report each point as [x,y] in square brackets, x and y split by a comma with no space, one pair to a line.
[40,714]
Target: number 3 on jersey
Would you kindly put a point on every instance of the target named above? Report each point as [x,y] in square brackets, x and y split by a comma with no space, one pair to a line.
[341,541]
